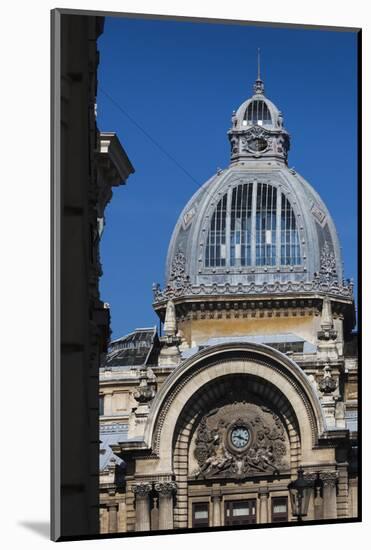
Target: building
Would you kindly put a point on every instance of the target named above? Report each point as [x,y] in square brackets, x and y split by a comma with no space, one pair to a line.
[87,163]
[255,374]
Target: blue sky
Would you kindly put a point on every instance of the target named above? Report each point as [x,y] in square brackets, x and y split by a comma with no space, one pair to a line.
[180,82]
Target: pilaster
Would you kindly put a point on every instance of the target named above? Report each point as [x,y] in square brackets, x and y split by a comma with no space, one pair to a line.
[142,509]
[166,491]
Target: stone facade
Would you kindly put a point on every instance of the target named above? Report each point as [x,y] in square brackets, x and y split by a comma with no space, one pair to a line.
[256,371]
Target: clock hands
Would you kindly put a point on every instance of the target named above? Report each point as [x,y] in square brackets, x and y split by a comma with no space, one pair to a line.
[240,437]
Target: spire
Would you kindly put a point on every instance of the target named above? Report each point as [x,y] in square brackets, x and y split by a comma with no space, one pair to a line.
[258,63]
[259,84]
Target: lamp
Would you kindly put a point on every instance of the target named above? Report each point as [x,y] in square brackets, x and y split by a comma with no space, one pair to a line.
[300,490]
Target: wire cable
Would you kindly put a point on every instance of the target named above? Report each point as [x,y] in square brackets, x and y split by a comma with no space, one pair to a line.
[154,141]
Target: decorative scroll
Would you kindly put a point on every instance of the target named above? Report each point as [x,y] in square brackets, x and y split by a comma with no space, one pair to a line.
[263,453]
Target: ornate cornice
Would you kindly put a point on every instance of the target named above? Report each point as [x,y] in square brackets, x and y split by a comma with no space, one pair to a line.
[184,289]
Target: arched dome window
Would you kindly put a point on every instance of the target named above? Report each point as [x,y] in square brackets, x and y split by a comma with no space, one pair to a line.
[253,224]
[258,113]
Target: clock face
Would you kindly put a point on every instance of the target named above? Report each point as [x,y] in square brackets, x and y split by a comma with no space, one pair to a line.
[240,437]
[257,144]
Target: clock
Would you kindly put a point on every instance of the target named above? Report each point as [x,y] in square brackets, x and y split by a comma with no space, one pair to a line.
[240,437]
[257,144]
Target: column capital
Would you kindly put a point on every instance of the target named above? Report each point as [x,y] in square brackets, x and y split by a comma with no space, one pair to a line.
[263,492]
[311,476]
[216,495]
[141,488]
[166,488]
[329,479]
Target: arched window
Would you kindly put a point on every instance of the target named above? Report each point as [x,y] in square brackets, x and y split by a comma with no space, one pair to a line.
[258,113]
[253,224]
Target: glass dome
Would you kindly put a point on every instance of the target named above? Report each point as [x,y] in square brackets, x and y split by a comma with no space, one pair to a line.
[253,224]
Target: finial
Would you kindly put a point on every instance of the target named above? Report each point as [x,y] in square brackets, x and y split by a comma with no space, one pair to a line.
[259,84]
[258,63]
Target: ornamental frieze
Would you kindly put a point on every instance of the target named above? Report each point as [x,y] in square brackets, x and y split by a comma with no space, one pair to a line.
[181,287]
[241,440]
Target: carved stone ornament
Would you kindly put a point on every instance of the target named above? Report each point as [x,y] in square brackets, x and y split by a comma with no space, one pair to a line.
[329,479]
[311,476]
[327,384]
[326,286]
[166,488]
[327,263]
[255,132]
[178,284]
[177,273]
[141,489]
[240,440]
[318,213]
[145,391]
[188,217]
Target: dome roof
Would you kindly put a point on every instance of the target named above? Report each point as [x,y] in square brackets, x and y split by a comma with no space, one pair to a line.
[288,214]
[259,110]
[257,224]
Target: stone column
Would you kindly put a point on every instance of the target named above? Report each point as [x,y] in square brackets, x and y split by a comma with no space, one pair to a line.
[142,512]
[329,480]
[121,520]
[315,504]
[166,490]
[318,503]
[263,511]
[103,520]
[112,518]
[154,514]
[216,499]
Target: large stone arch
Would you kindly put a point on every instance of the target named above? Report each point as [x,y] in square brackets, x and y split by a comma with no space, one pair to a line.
[226,391]
[255,360]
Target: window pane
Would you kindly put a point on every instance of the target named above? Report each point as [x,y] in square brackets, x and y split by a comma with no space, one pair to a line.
[290,248]
[215,253]
[258,113]
[237,252]
[201,514]
[279,508]
[241,511]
